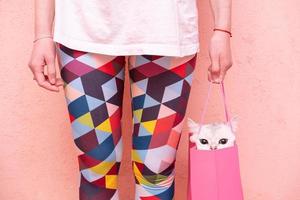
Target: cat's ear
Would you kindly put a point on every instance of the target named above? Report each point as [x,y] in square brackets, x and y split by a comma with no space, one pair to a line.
[234,122]
[191,124]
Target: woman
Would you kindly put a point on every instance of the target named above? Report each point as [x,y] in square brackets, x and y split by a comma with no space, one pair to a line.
[93,40]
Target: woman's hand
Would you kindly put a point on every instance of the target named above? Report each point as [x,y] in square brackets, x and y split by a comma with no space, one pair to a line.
[220,56]
[44,53]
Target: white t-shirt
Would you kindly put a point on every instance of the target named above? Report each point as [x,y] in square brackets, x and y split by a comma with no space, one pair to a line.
[128,27]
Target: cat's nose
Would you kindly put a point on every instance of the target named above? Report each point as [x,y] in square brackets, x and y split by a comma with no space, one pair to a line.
[213,147]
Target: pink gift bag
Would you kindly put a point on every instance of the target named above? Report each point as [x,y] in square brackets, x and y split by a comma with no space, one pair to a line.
[214,174]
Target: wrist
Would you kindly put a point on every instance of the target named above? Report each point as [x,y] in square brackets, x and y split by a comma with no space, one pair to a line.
[219,37]
[223,25]
[223,31]
[42,36]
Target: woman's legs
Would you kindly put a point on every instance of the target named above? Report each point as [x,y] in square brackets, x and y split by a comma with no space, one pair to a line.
[93,91]
[160,87]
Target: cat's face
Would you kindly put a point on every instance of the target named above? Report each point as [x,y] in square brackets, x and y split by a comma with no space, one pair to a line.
[213,135]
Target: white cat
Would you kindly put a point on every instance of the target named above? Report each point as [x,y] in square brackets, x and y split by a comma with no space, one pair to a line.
[212,136]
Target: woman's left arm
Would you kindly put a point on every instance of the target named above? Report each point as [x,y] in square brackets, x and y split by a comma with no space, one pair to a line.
[219,48]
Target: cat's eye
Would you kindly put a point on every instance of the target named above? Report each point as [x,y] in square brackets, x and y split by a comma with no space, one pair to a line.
[223,141]
[203,141]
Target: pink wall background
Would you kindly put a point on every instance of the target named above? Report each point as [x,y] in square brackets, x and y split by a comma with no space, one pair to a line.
[38,157]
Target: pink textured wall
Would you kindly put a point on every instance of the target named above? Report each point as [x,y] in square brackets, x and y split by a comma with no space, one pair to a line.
[38,158]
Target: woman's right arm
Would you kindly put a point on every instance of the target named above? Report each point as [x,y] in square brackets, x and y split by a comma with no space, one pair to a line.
[44,51]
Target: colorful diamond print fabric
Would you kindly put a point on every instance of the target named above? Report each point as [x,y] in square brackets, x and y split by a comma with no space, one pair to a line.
[93,88]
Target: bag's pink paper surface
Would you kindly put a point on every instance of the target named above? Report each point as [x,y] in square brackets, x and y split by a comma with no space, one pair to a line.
[215,174]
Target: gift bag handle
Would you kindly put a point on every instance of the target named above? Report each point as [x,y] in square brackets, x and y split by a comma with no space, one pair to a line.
[224,102]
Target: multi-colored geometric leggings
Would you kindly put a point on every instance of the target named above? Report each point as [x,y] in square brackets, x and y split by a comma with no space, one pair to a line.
[160,88]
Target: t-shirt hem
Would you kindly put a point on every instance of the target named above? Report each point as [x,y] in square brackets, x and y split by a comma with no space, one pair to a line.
[127,49]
